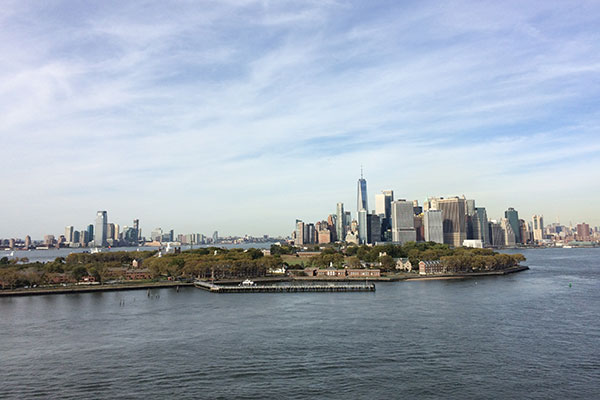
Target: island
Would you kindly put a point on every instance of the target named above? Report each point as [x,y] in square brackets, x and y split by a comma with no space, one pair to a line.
[80,272]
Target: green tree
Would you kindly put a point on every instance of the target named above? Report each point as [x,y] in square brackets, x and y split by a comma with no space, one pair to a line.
[387,263]
[79,272]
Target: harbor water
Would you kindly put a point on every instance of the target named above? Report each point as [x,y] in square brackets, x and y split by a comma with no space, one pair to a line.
[533,334]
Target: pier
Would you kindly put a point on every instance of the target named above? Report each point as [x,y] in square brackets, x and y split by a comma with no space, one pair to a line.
[211,287]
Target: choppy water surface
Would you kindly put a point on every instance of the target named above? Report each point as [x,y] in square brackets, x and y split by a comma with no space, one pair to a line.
[527,335]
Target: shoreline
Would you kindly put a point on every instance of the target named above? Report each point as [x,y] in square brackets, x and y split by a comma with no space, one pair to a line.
[91,289]
[171,284]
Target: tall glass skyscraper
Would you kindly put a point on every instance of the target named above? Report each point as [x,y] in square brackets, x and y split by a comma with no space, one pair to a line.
[101,229]
[361,197]
[340,222]
[513,219]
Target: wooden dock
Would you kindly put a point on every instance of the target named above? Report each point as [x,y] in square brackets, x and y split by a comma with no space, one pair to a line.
[211,287]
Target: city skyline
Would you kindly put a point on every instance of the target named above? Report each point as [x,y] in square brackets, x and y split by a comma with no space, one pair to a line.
[242,117]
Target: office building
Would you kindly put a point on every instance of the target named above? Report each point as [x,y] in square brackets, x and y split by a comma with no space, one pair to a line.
[340,219]
[361,196]
[110,231]
[136,227]
[496,234]
[69,234]
[538,228]
[513,219]
[454,220]
[433,226]
[373,228]
[403,229]
[479,226]
[90,233]
[156,235]
[362,226]
[509,234]
[299,240]
[583,232]
[101,229]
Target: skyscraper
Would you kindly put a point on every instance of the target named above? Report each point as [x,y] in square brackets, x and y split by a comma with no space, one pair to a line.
[136,227]
[583,232]
[383,203]
[373,228]
[101,228]
[69,234]
[513,219]
[433,226]
[299,241]
[509,234]
[454,220]
[361,197]
[538,228]
[362,226]
[403,228]
[340,222]
[481,230]
[90,233]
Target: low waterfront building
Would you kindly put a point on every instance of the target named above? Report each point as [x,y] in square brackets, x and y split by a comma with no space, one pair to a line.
[403,264]
[343,273]
[431,267]
[473,243]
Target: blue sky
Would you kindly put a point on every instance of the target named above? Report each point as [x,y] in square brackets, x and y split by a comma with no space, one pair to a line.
[242,116]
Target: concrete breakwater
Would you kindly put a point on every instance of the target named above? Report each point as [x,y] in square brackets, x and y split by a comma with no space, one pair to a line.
[367,287]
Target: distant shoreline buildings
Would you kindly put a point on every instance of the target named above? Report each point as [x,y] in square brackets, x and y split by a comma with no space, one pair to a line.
[455,221]
[103,233]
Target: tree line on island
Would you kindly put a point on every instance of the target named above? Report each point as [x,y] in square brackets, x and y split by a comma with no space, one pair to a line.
[220,263]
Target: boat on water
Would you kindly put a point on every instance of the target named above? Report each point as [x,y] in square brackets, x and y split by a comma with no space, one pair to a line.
[247,282]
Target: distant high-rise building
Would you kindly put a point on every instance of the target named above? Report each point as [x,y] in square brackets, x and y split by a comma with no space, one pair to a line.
[324,236]
[470,207]
[110,231]
[509,234]
[156,235]
[69,234]
[101,229]
[454,220]
[84,238]
[433,226]
[90,233]
[524,231]
[340,222]
[479,225]
[299,241]
[75,237]
[383,203]
[496,234]
[431,204]
[403,228]
[417,209]
[513,219]
[117,232]
[583,232]
[49,240]
[373,228]
[361,197]
[27,241]
[362,226]
[332,227]
[419,228]
[136,227]
[538,227]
